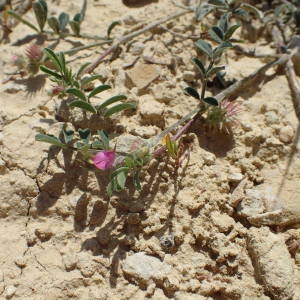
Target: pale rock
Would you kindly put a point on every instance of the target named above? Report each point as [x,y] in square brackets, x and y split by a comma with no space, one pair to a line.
[44,233]
[222,221]
[70,261]
[20,262]
[286,134]
[188,76]
[209,158]
[137,48]
[13,88]
[142,75]
[129,20]
[272,262]
[235,177]
[271,117]
[162,93]
[10,291]
[252,204]
[188,296]
[151,110]
[238,193]
[145,131]
[145,268]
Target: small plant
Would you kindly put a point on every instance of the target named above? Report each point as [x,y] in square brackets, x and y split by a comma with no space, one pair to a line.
[57,24]
[32,60]
[74,84]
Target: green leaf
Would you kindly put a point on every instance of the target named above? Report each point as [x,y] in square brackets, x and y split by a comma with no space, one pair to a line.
[231,31]
[136,180]
[81,69]
[192,92]
[215,70]
[211,100]
[41,11]
[78,93]
[78,17]
[111,27]
[203,10]
[75,26]
[241,13]
[119,107]
[53,24]
[216,34]
[110,101]
[104,138]
[51,139]
[85,134]
[20,19]
[86,80]
[99,89]
[221,48]
[199,66]
[218,2]
[63,21]
[110,189]
[83,105]
[68,135]
[253,9]
[50,72]
[65,71]
[205,47]
[223,23]
[53,57]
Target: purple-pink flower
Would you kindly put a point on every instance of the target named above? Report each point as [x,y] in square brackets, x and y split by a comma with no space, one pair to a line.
[104,159]
[34,53]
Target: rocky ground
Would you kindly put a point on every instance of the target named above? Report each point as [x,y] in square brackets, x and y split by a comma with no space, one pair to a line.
[216,230]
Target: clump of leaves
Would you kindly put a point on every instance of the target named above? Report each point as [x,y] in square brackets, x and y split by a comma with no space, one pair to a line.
[75,84]
[236,8]
[57,24]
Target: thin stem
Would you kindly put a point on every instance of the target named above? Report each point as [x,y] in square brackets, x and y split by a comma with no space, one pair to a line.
[70,51]
[123,39]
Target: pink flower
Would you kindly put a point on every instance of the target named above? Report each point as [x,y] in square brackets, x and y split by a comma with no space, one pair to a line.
[56,90]
[104,159]
[34,52]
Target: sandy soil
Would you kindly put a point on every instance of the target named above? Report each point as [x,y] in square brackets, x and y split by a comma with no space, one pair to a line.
[217,230]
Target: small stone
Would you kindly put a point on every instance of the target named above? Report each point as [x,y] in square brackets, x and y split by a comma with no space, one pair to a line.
[235,177]
[167,241]
[209,158]
[20,262]
[151,110]
[286,134]
[188,76]
[145,268]
[10,291]
[129,20]
[272,262]
[70,262]
[31,239]
[252,204]
[222,221]
[271,117]
[137,48]
[44,234]
[13,88]
[142,75]
[145,131]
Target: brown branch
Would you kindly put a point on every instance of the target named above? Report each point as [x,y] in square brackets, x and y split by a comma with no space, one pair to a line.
[294,86]
[123,39]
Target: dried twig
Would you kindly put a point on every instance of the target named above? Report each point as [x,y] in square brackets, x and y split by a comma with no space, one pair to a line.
[294,86]
[123,39]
